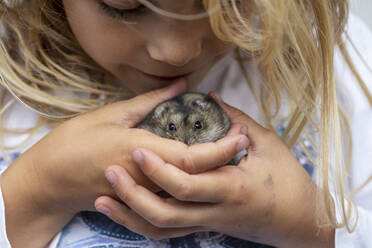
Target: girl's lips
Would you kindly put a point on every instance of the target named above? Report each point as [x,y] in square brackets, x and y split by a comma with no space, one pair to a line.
[166,78]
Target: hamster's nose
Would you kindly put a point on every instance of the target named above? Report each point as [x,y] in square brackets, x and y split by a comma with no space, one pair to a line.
[187,140]
[190,140]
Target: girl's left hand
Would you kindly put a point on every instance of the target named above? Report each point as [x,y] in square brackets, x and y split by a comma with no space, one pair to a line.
[267,198]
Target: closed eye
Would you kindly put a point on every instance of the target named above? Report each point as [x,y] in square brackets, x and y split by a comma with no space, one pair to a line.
[121,14]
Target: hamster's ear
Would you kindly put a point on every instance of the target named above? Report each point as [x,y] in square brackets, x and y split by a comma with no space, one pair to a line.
[161,110]
[201,103]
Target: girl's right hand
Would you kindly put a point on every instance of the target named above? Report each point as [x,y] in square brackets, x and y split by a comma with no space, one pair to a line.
[64,172]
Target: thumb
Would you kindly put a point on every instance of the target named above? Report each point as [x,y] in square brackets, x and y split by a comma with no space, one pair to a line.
[237,116]
[138,107]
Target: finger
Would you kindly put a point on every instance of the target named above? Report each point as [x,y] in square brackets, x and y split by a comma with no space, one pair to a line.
[124,216]
[211,186]
[237,116]
[130,112]
[192,159]
[237,128]
[207,156]
[156,210]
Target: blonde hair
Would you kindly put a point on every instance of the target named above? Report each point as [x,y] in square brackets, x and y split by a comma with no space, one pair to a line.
[291,43]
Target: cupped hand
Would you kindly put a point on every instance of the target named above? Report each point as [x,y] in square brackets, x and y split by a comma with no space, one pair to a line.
[63,173]
[68,164]
[268,198]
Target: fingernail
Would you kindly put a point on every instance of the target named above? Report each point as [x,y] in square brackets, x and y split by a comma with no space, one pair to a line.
[111,177]
[138,157]
[217,96]
[103,209]
[242,144]
[244,130]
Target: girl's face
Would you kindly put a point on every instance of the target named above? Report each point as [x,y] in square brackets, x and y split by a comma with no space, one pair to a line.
[152,52]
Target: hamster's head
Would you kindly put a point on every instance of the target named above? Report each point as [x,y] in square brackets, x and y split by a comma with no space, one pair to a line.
[190,118]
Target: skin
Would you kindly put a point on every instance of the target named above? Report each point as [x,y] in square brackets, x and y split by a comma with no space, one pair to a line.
[272,200]
[46,186]
[259,204]
[155,45]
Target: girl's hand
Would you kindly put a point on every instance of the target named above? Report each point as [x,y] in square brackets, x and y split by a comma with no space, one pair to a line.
[64,172]
[268,198]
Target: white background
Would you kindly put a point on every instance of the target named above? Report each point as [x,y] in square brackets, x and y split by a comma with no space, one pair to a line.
[363,8]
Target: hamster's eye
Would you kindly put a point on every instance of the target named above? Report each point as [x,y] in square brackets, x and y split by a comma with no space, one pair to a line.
[198,125]
[172,127]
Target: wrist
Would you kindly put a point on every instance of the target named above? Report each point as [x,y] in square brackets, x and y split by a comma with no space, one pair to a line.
[27,209]
[314,228]
[324,238]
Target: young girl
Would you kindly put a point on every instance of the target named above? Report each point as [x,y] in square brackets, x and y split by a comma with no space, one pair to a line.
[78,76]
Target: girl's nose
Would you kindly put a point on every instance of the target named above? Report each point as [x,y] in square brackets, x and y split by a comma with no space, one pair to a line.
[173,49]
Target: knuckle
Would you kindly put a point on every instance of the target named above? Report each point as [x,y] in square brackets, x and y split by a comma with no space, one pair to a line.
[188,163]
[165,220]
[152,171]
[123,194]
[238,200]
[241,195]
[184,191]
[127,118]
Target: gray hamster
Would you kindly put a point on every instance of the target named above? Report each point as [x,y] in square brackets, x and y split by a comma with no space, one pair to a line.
[191,118]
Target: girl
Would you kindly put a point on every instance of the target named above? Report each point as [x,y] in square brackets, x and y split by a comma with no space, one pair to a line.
[97,67]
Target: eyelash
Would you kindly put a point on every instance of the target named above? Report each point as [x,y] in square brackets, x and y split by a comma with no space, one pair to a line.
[125,14]
[121,14]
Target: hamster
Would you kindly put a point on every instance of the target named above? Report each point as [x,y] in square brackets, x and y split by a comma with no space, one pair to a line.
[191,118]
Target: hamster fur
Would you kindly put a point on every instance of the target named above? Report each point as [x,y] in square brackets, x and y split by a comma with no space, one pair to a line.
[191,118]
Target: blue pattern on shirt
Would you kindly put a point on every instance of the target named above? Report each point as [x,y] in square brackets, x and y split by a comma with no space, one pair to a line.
[95,230]
[12,156]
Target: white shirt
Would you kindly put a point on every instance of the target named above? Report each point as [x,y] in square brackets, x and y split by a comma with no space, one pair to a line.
[227,79]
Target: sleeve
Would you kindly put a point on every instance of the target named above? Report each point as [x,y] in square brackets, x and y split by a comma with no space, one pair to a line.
[362,235]
[359,111]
